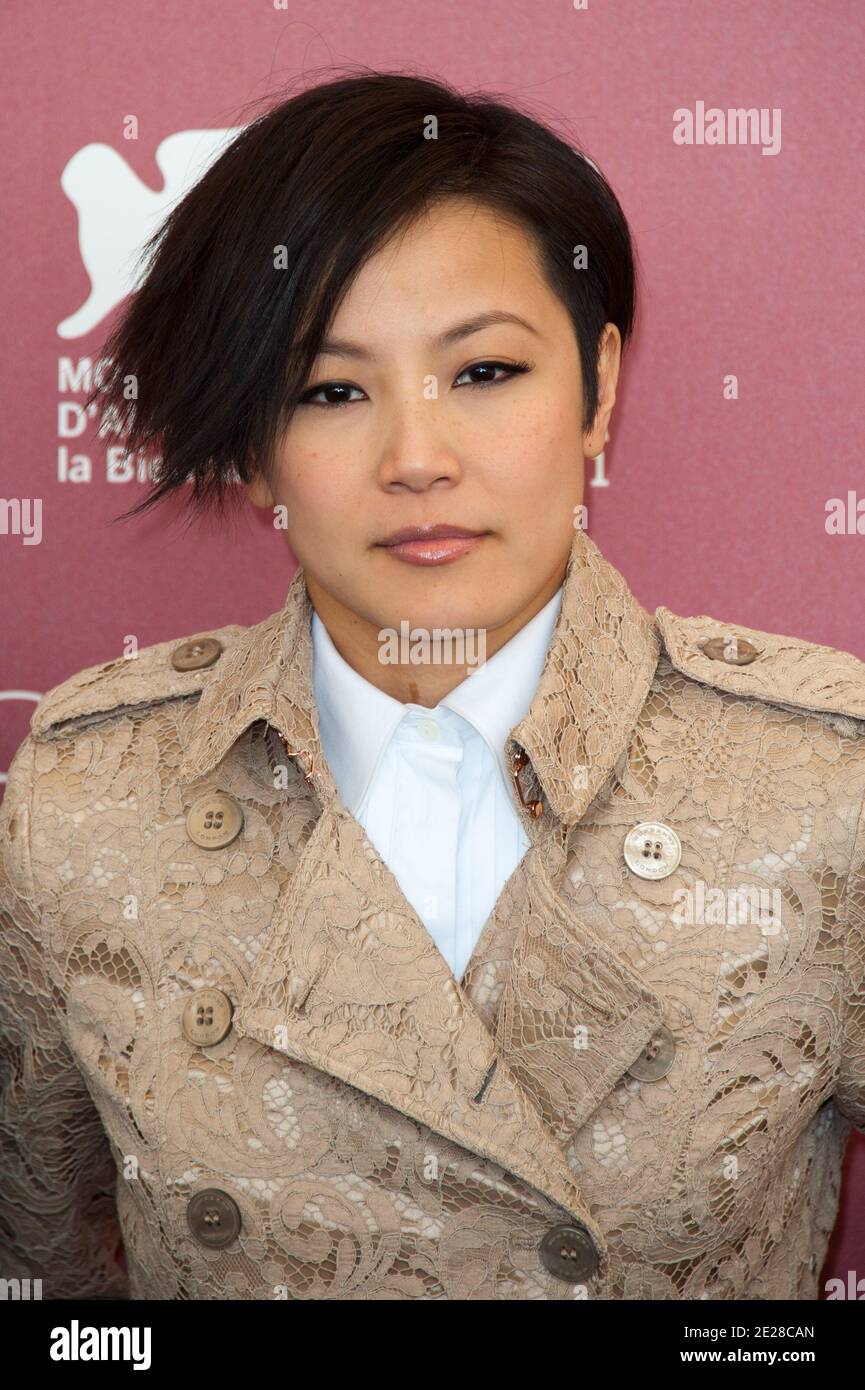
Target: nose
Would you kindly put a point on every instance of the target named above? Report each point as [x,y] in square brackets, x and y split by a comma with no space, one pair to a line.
[415,448]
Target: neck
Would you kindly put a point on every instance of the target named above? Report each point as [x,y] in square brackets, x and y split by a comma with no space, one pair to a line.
[359,643]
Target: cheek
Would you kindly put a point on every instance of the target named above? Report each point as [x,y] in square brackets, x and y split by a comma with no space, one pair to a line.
[540,449]
[312,485]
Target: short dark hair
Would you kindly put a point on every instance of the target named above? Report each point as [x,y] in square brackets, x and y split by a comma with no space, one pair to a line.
[220,342]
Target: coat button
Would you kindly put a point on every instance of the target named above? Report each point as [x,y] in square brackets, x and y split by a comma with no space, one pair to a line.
[195,655]
[736,651]
[214,820]
[207,1017]
[569,1253]
[213,1218]
[656,1058]
[652,850]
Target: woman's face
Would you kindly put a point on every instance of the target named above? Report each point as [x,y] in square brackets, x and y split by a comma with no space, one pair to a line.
[419,414]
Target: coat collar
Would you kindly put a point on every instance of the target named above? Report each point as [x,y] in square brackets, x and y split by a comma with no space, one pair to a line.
[598,667]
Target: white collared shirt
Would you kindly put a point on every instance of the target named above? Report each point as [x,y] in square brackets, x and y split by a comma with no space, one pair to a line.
[431,787]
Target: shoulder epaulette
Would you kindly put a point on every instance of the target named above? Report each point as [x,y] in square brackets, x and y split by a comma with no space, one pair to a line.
[160,672]
[765,665]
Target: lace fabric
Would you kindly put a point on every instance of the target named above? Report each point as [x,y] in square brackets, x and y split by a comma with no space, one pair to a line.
[384,1130]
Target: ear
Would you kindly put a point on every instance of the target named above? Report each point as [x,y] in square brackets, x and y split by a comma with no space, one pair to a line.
[609,361]
[259,493]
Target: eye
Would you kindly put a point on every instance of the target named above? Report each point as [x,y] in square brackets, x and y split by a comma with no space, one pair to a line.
[338,393]
[334,391]
[489,369]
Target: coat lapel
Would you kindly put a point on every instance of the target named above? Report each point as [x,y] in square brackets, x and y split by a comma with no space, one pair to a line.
[351,982]
[572,1016]
[513,1059]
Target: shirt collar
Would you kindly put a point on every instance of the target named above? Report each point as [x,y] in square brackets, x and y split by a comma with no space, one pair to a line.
[599,664]
[357,720]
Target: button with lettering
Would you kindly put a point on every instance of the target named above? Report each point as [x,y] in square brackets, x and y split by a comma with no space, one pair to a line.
[195,655]
[214,820]
[656,1058]
[207,1017]
[652,850]
[735,651]
[213,1218]
[569,1253]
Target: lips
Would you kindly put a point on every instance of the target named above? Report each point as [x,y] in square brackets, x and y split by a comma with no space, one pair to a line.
[431,545]
[444,531]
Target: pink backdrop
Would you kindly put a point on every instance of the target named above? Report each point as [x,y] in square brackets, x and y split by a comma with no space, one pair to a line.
[751,265]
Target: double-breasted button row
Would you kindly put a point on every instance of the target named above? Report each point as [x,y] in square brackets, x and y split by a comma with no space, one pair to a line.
[206,1018]
[567,1251]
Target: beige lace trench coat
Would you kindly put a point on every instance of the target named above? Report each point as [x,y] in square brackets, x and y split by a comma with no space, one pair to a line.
[230,1041]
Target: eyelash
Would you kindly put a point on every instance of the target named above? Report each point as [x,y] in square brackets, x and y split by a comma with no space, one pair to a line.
[512,369]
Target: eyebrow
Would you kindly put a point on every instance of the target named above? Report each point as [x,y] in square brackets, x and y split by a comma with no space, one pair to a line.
[342,347]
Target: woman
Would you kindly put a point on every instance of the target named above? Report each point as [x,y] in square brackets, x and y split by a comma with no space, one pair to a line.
[461,930]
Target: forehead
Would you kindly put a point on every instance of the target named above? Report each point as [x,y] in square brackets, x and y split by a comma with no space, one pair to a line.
[458,255]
